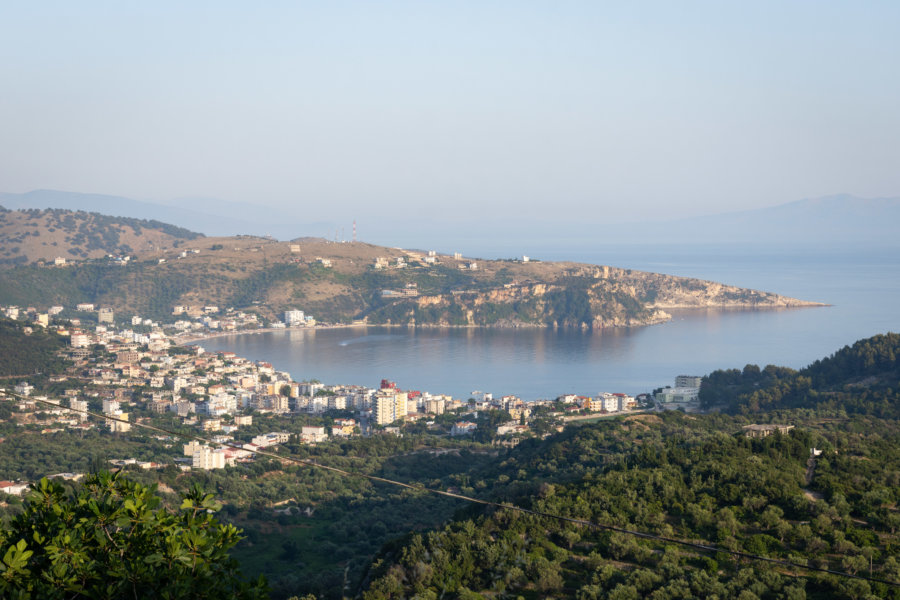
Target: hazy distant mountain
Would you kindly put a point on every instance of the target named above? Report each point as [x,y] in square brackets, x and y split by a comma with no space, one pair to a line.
[838,219]
[827,222]
[209,216]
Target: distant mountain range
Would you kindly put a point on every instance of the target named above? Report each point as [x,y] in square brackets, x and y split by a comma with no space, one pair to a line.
[831,222]
[835,220]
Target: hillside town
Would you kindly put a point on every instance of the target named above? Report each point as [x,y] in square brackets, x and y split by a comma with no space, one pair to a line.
[140,371]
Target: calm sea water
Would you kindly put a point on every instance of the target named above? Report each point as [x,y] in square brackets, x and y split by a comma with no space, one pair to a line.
[863,287]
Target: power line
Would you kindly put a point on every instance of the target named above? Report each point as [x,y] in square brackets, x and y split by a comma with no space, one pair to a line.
[500,505]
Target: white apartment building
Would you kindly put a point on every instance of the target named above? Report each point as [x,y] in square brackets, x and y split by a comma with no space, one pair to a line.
[294,317]
[79,405]
[80,340]
[24,388]
[206,458]
[116,425]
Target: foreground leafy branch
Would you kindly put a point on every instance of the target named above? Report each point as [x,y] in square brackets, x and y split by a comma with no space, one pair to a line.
[110,538]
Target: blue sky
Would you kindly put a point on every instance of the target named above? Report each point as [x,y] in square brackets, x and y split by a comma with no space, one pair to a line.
[382,111]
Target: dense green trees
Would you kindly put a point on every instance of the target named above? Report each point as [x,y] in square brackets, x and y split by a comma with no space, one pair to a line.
[111,539]
[22,354]
[863,378]
[686,477]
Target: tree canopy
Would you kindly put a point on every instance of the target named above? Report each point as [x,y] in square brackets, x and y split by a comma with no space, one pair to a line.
[110,538]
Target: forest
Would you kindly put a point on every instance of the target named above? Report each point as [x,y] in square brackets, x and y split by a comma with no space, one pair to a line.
[692,478]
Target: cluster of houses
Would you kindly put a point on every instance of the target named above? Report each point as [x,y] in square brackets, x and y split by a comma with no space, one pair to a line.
[141,373]
[604,402]
[192,322]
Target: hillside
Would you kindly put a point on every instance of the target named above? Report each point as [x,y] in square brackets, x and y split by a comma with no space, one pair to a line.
[23,354]
[213,217]
[862,378]
[694,478]
[27,236]
[342,282]
[684,478]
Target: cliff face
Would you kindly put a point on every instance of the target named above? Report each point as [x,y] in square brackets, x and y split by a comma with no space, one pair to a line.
[583,297]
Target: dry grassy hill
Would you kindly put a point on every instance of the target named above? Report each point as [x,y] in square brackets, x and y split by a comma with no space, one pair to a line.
[335,282]
[28,236]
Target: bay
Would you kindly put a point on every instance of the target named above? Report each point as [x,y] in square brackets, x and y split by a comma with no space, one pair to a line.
[861,285]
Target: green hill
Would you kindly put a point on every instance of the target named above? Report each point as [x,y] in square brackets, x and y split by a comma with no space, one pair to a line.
[863,378]
[692,478]
[688,477]
[28,353]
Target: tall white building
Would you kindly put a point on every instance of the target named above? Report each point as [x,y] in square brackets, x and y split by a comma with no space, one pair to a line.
[293,317]
[206,458]
[610,403]
[79,405]
[80,340]
[389,406]
[383,409]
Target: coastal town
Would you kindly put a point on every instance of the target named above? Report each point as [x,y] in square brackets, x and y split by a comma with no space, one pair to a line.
[123,374]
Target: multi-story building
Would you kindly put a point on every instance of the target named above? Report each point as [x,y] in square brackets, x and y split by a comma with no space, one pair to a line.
[687,381]
[313,435]
[206,458]
[677,395]
[81,406]
[118,422]
[24,388]
[434,406]
[271,439]
[389,406]
[211,425]
[294,317]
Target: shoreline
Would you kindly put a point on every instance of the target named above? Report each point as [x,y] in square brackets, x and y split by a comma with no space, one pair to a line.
[191,340]
[211,336]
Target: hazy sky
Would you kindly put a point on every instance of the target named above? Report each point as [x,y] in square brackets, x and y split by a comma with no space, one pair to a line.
[600,110]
